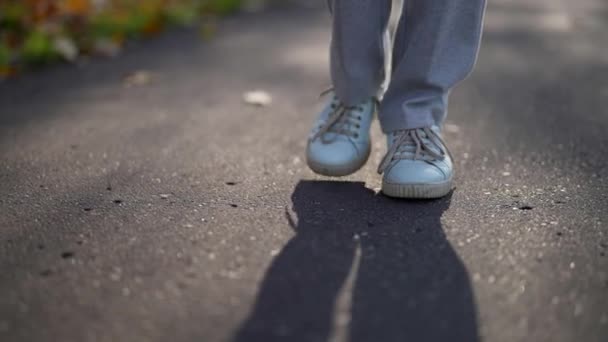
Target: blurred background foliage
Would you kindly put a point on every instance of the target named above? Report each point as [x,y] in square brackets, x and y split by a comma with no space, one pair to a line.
[38,32]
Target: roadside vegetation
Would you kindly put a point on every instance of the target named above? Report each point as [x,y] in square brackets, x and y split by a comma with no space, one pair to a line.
[40,32]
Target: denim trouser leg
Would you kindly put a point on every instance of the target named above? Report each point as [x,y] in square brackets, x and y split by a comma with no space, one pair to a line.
[357,53]
[435,48]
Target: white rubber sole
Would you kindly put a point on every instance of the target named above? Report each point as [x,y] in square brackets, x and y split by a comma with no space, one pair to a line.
[341,170]
[417,191]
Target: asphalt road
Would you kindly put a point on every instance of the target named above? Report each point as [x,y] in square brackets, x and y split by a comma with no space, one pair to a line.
[170,210]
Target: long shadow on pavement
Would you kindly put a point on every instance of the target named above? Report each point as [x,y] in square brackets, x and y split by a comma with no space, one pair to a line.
[408,284]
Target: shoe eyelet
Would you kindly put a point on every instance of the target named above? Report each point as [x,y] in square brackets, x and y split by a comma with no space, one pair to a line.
[356,135]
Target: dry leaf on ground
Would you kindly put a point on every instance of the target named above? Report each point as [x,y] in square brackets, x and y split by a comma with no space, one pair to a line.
[258,98]
[138,78]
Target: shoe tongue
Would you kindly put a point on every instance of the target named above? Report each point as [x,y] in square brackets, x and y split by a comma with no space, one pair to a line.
[409,145]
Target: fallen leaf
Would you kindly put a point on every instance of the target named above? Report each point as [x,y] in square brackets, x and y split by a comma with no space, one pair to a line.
[138,78]
[76,7]
[258,98]
[208,29]
[107,47]
[451,128]
[66,48]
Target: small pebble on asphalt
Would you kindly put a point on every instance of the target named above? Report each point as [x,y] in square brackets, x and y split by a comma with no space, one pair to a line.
[67,255]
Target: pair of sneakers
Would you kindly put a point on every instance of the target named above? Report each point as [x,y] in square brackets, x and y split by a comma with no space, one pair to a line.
[417,163]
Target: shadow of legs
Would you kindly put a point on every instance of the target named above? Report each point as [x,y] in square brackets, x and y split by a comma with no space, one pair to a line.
[410,284]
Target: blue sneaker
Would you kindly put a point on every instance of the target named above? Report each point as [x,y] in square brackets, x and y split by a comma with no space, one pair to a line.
[417,165]
[339,143]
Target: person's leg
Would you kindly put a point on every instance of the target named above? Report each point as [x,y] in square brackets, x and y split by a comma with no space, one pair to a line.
[357,48]
[339,142]
[435,48]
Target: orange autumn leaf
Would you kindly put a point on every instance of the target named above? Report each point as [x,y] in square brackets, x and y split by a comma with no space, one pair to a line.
[153,27]
[7,71]
[76,7]
[41,10]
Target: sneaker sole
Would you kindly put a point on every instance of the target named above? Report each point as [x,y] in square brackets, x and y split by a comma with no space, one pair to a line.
[417,191]
[338,171]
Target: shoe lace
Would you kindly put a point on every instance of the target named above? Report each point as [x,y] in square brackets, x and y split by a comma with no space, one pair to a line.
[415,144]
[343,120]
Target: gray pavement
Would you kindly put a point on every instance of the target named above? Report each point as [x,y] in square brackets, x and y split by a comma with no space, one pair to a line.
[171,210]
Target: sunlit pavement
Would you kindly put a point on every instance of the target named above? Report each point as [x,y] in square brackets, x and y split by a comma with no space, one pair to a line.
[142,200]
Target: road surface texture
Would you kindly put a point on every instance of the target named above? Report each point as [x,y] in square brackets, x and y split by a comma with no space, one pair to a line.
[166,209]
